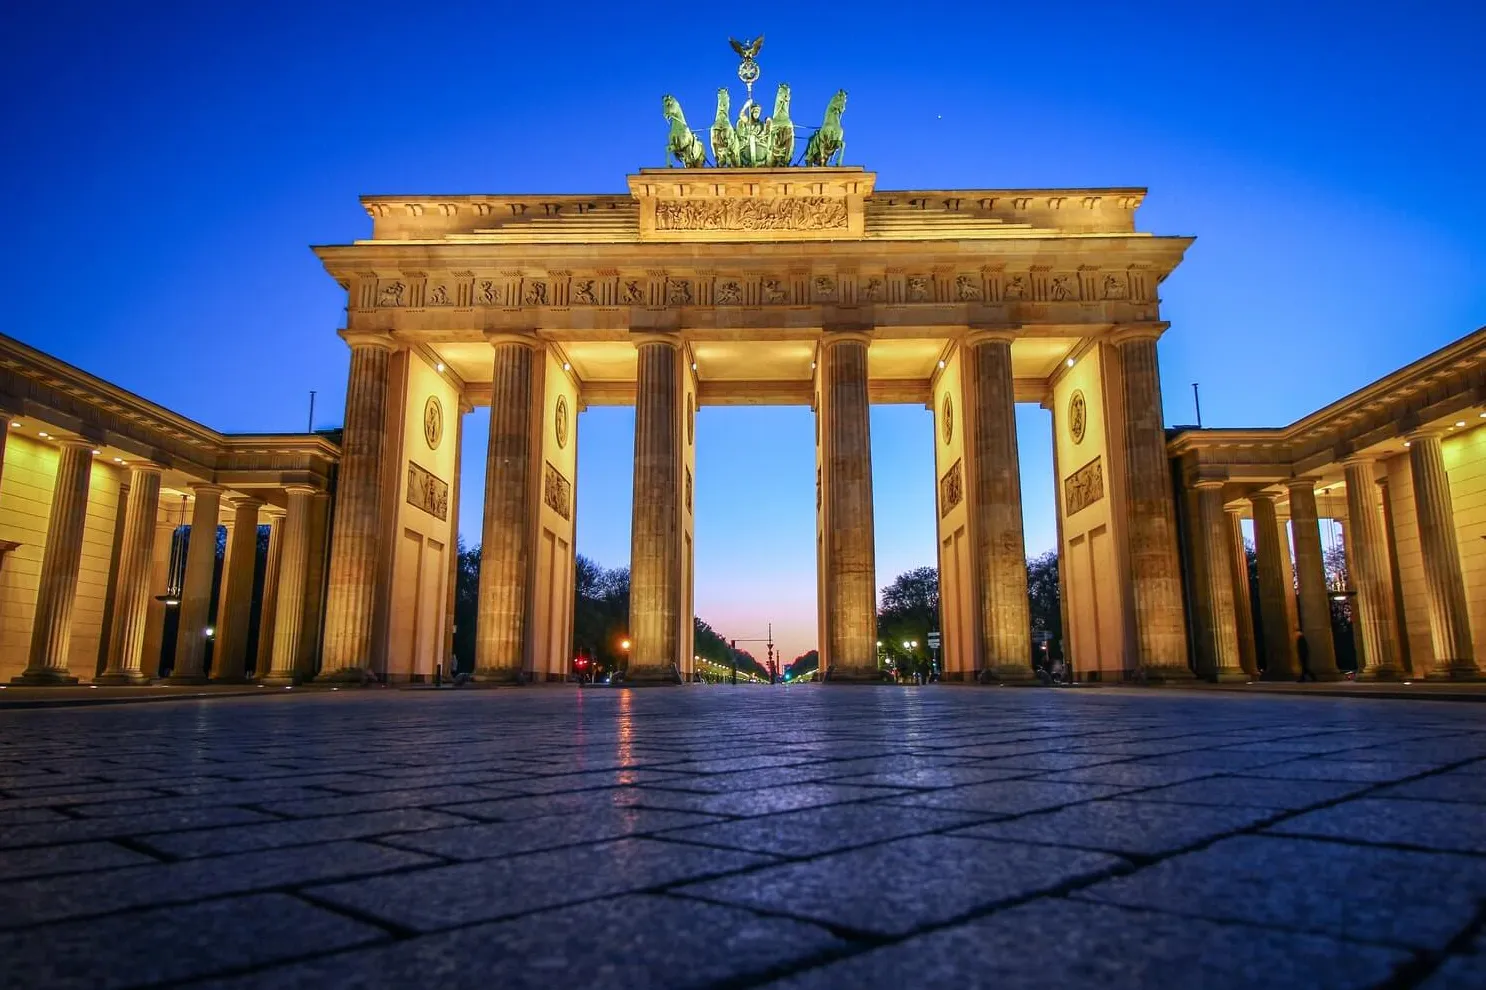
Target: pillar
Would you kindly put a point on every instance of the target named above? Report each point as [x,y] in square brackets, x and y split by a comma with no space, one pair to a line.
[231,653]
[1449,619]
[196,590]
[357,531]
[51,633]
[288,622]
[1370,573]
[1155,570]
[508,532]
[1243,607]
[851,589]
[1400,624]
[655,597]
[1280,659]
[268,608]
[312,624]
[1213,554]
[126,637]
[996,491]
[1310,575]
[153,650]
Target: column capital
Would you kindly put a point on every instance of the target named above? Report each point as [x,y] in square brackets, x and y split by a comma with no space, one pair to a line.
[369,338]
[72,442]
[273,512]
[145,467]
[1307,482]
[1424,433]
[245,502]
[986,335]
[669,338]
[1137,331]
[206,488]
[1270,497]
[829,337]
[525,338]
[1209,484]
[1358,460]
[301,490]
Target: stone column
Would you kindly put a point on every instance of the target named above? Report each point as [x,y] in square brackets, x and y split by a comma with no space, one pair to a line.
[269,606]
[132,589]
[1449,617]
[231,652]
[51,633]
[1243,608]
[655,548]
[288,623]
[196,590]
[356,534]
[1390,532]
[996,490]
[1213,554]
[851,604]
[1370,574]
[506,545]
[1281,661]
[1155,569]
[1310,575]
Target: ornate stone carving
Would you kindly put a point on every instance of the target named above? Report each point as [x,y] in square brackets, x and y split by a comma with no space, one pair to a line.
[691,419]
[439,296]
[951,490]
[1078,416]
[1016,288]
[775,290]
[688,490]
[391,294]
[728,293]
[967,288]
[872,290]
[947,418]
[583,292]
[1084,487]
[536,294]
[918,288]
[560,422]
[786,213]
[632,293]
[557,492]
[825,288]
[1115,288]
[433,422]
[428,492]
[678,292]
[1061,288]
[487,293]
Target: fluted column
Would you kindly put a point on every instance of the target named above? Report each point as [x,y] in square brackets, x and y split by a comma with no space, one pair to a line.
[996,492]
[289,612]
[196,590]
[51,632]
[132,589]
[851,604]
[1280,659]
[1213,554]
[268,609]
[1243,608]
[1155,570]
[1310,575]
[1449,617]
[655,589]
[356,535]
[506,545]
[1369,572]
[230,655]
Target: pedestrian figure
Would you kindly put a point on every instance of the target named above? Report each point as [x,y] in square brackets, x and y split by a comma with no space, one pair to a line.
[1304,652]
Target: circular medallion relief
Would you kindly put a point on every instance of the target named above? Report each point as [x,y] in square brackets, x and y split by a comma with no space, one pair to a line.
[947,419]
[1078,416]
[691,419]
[433,422]
[560,421]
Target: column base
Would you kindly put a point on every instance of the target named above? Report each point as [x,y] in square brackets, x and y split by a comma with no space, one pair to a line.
[44,678]
[1458,671]
[346,675]
[1008,674]
[1229,677]
[279,680]
[495,676]
[1279,675]
[234,679]
[1393,674]
[1172,674]
[1329,675]
[843,674]
[184,679]
[119,678]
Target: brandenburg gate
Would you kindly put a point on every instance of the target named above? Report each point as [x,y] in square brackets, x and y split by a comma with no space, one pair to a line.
[749,286]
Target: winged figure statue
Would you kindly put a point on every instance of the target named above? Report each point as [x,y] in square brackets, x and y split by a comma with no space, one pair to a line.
[747,50]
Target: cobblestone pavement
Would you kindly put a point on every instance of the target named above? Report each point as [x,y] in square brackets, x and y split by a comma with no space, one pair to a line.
[800,837]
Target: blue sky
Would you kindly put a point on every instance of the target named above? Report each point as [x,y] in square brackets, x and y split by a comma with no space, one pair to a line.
[166,171]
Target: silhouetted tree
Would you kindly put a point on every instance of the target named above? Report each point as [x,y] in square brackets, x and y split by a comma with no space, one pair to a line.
[1044,600]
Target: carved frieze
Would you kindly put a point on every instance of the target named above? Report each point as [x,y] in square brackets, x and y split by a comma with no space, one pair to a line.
[967,288]
[951,490]
[557,492]
[583,293]
[1084,487]
[391,294]
[688,491]
[428,492]
[784,213]
[728,292]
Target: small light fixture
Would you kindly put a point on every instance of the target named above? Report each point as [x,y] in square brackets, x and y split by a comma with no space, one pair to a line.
[693,366]
[96,451]
[1461,424]
[1405,443]
[566,366]
[1069,362]
[439,367]
[941,362]
[812,368]
[15,424]
[210,632]
[117,460]
[43,434]
[1483,416]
